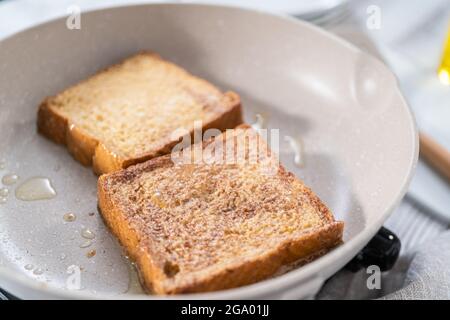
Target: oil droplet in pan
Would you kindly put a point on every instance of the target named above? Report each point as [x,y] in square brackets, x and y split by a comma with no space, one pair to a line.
[4,192]
[38,271]
[37,188]
[91,253]
[69,217]
[297,148]
[134,283]
[86,244]
[261,122]
[87,234]
[10,179]
[29,267]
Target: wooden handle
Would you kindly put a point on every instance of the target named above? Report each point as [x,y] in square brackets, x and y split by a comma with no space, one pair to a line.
[435,154]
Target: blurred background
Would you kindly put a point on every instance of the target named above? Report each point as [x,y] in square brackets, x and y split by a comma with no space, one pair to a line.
[410,36]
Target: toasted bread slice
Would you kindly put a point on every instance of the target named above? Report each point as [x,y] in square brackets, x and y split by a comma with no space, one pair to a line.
[215,225]
[128,113]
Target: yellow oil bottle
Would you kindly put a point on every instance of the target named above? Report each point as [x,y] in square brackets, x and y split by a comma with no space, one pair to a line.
[444,68]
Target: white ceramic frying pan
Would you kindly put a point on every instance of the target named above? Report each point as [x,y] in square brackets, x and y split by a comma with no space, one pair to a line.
[359,137]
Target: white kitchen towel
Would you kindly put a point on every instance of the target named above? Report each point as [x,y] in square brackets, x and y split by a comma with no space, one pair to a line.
[425,251]
[428,275]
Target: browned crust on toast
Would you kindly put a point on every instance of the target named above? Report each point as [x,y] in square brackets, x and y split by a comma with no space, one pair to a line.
[128,237]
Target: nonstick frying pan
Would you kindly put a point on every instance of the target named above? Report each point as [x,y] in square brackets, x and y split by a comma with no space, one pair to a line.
[359,140]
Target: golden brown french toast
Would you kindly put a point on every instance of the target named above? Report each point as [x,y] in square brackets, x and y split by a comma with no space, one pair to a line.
[215,225]
[128,113]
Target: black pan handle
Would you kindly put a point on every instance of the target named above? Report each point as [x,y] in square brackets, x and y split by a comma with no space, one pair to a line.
[383,251]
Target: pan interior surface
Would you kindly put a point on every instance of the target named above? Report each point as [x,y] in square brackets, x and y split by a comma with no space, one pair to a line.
[342,107]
